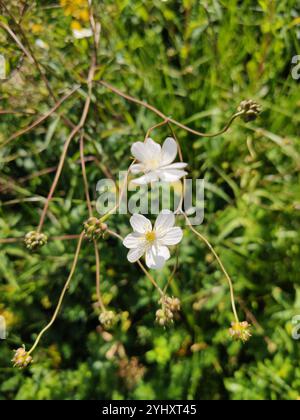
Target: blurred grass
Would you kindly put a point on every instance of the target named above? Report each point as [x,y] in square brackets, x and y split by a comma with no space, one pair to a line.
[194,61]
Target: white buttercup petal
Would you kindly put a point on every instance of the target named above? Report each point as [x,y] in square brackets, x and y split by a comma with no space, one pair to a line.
[146,179]
[178,165]
[156,162]
[163,251]
[140,223]
[172,237]
[134,240]
[169,151]
[139,151]
[164,221]
[153,260]
[135,254]
[153,149]
[137,168]
[171,175]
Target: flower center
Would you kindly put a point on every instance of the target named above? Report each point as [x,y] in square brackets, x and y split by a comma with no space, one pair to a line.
[152,164]
[150,236]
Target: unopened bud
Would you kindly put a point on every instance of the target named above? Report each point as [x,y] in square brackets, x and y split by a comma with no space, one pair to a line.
[94,228]
[240,331]
[34,240]
[21,358]
[250,109]
[108,319]
[164,317]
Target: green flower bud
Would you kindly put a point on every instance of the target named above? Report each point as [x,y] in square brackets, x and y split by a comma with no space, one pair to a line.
[94,228]
[108,319]
[250,109]
[240,331]
[21,358]
[164,317]
[34,240]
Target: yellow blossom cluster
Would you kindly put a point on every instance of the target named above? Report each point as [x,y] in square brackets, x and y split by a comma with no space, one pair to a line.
[78,9]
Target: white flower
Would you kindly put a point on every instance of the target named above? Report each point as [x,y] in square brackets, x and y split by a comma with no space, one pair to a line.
[82,33]
[156,162]
[152,241]
[41,44]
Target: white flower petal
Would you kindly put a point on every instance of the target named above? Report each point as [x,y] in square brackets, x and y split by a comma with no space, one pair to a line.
[153,260]
[137,168]
[82,33]
[172,237]
[170,175]
[178,165]
[134,240]
[169,151]
[163,251]
[140,223]
[153,149]
[135,254]
[146,179]
[139,151]
[164,221]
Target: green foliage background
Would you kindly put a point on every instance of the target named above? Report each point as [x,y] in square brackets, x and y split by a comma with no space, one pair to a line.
[194,60]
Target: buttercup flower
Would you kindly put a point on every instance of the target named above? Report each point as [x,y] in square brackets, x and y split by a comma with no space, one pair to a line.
[156,162]
[152,241]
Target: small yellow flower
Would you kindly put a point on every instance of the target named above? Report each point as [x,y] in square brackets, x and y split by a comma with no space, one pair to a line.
[84,15]
[78,9]
[240,331]
[36,28]
[75,25]
[10,318]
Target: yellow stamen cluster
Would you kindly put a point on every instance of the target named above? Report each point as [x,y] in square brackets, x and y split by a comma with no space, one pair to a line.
[240,331]
[150,236]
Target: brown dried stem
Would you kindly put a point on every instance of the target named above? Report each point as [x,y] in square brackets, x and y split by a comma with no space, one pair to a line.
[165,117]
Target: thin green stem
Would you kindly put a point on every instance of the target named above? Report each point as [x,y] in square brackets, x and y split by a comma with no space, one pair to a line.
[98,266]
[84,176]
[148,275]
[203,238]
[175,268]
[60,301]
